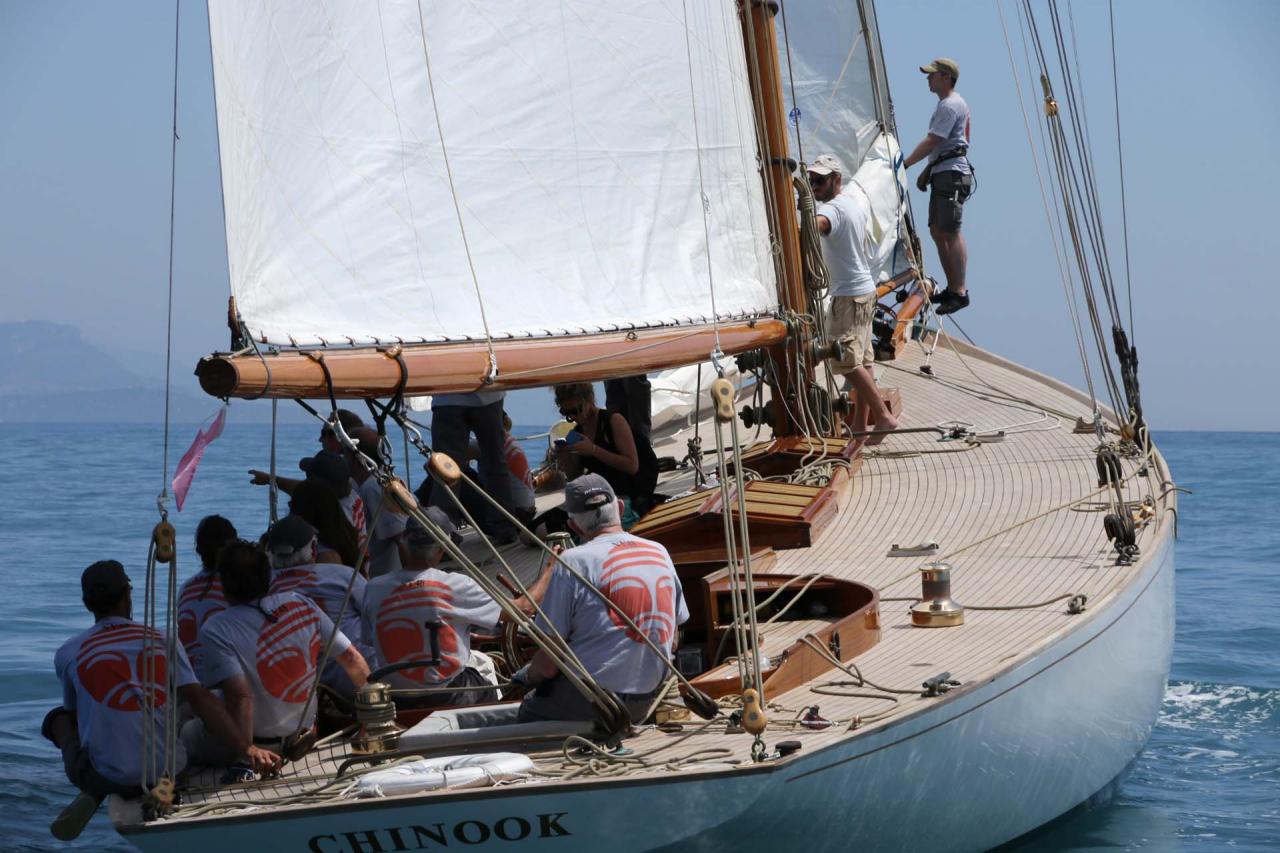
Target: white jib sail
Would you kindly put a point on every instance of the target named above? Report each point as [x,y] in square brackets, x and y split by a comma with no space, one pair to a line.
[390,167]
[837,70]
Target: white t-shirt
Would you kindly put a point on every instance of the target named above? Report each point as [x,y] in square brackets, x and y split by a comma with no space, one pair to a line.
[200,597]
[102,671]
[845,247]
[326,585]
[398,605]
[277,657]
[384,556]
[637,575]
[950,121]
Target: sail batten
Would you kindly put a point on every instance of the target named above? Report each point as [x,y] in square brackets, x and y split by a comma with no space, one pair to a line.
[579,180]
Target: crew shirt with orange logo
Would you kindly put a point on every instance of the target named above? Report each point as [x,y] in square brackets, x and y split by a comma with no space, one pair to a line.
[398,607]
[638,576]
[200,597]
[277,653]
[103,672]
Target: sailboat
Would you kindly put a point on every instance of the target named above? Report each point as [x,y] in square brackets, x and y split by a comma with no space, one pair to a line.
[943,642]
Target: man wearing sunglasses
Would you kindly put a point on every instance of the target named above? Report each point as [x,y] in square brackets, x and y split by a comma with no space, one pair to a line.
[842,221]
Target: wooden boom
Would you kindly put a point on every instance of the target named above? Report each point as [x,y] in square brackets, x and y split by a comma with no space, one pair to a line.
[459,367]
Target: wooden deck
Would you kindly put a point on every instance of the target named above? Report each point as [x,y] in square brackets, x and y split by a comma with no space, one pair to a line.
[913,488]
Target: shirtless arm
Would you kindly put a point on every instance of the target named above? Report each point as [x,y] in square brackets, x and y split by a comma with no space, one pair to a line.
[923,150]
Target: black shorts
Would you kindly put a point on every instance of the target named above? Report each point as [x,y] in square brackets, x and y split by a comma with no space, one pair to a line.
[946,202]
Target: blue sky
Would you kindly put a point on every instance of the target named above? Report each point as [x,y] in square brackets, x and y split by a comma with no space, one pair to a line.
[85,113]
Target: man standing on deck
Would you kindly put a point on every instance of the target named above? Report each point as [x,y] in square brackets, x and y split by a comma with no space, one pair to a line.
[637,575]
[842,222]
[454,418]
[384,523]
[951,178]
[107,673]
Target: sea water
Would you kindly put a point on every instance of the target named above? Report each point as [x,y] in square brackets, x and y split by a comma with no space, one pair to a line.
[1208,780]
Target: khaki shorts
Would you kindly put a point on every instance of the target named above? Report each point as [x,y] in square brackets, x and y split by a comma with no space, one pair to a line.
[850,322]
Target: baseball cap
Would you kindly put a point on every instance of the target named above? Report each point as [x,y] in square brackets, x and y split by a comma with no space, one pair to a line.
[947,66]
[102,584]
[289,535]
[825,164]
[416,531]
[330,468]
[590,491]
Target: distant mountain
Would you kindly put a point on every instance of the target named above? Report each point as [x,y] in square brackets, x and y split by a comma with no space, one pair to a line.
[50,373]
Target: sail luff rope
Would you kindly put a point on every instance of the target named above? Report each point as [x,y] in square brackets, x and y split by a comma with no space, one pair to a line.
[453,192]
[1124,210]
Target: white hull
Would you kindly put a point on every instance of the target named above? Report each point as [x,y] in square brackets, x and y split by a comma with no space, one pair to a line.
[991,762]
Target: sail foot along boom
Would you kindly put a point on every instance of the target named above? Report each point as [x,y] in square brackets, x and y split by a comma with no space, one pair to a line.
[361,373]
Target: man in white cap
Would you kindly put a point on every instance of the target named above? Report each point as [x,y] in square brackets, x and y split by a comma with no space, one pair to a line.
[950,176]
[637,575]
[842,221]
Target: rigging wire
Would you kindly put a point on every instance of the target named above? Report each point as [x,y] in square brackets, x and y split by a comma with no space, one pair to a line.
[1124,210]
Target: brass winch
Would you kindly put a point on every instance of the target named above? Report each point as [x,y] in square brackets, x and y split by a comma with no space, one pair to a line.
[376,713]
[936,609]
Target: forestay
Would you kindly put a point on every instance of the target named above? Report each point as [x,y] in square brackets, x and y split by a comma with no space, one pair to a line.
[841,92]
[581,141]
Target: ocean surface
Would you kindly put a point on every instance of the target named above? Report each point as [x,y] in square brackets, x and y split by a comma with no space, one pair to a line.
[1209,779]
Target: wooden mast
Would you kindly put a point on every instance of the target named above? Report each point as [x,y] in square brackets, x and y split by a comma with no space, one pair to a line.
[765,77]
[444,368]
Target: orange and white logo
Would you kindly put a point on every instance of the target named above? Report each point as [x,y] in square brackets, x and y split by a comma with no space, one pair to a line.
[200,599]
[403,634]
[288,650]
[638,580]
[112,663]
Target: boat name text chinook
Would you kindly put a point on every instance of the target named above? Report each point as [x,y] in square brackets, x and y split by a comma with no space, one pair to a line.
[417,837]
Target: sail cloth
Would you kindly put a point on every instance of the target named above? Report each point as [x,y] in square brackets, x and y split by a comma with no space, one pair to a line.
[584,141]
[834,76]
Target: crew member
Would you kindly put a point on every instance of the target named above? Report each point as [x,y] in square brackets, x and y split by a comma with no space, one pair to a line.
[842,221]
[262,653]
[107,673]
[404,608]
[950,176]
[603,443]
[454,418]
[384,523]
[637,575]
[291,548]
[201,596]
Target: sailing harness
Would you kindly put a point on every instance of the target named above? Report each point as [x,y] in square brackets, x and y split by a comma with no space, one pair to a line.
[925,178]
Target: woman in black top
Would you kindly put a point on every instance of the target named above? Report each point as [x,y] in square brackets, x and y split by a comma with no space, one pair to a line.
[608,447]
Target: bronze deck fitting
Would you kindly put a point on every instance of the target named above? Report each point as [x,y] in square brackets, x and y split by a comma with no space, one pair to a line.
[936,609]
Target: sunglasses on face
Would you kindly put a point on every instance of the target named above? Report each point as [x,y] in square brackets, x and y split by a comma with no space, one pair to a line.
[570,410]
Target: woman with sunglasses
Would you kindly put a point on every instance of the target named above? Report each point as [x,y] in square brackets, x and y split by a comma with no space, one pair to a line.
[607,447]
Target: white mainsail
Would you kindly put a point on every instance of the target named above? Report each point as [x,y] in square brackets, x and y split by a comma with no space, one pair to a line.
[392,168]
[842,98]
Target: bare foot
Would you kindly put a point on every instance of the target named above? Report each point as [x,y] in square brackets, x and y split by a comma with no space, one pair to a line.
[882,427]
